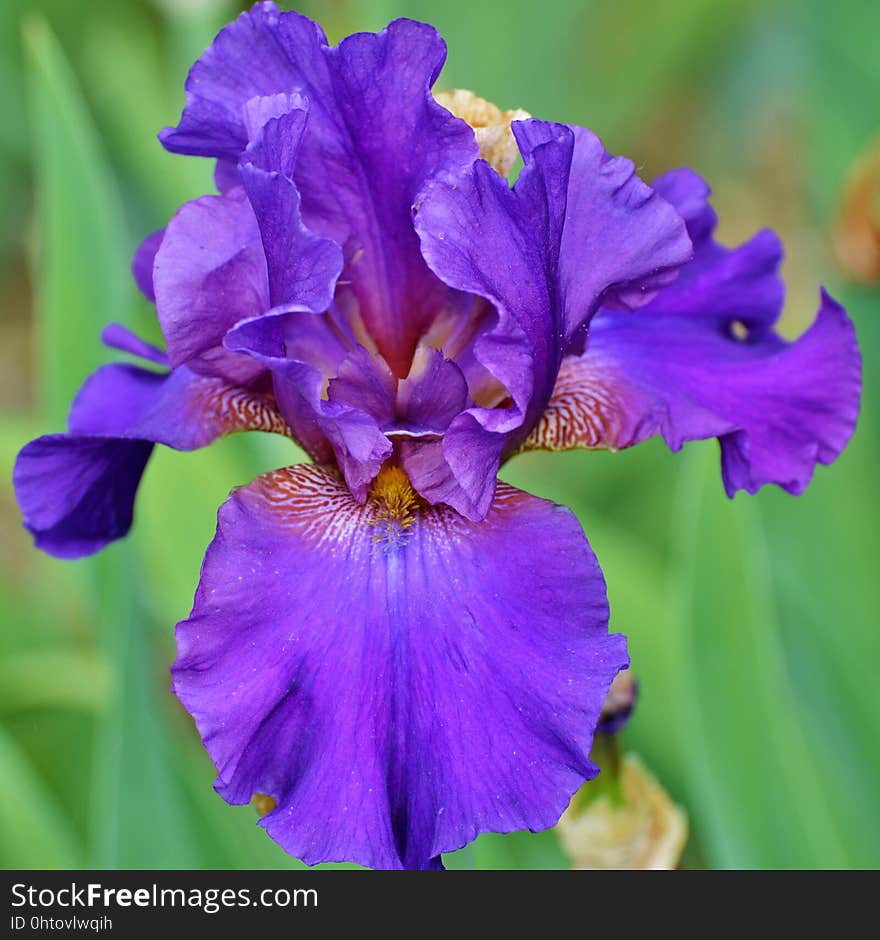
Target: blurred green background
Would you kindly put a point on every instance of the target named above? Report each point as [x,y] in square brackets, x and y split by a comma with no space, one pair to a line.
[753,624]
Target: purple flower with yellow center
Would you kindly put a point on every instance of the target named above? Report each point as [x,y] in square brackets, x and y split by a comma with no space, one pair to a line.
[396,650]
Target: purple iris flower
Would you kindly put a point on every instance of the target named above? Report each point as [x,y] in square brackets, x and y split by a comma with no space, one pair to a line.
[396,648]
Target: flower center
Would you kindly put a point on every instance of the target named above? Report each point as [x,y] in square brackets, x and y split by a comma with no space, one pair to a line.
[397,501]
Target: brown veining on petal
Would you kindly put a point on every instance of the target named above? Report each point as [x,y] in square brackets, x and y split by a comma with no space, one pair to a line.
[491,125]
[317,501]
[230,408]
[582,412]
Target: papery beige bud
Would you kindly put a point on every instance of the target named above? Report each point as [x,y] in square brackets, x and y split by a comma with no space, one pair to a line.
[491,125]
[644,831]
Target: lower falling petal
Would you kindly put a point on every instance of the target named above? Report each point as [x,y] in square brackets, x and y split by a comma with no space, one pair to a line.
[396,678]
[777,408]
[77,490]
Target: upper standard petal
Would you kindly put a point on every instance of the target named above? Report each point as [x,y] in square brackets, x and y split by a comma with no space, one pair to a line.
[302,269]
[577,227]
[621,241]
[374,137]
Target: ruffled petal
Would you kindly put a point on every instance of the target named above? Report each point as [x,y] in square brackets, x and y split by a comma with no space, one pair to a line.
[209,273]
[396,678]
[261,53]
[778,408]
[374,136]
[689,194]
[621,241]
[799,411]
[730,285]
[702,360]
[482,237]
[302,269]
[578,227]
[233,257]
[77,490]
[294,346]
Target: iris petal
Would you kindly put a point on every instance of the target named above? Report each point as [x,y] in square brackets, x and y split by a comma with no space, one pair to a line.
[577,227]
[621,241]
[702,360]
[777,408]
[741,283]
[77,490]
[433,394]
[375,135]
[326,428]
[397,678]
[302,268]
[209,273]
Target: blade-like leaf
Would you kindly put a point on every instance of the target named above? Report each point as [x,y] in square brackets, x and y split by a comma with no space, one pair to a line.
[749,753]
[52,678]
[34,832]
[81,263]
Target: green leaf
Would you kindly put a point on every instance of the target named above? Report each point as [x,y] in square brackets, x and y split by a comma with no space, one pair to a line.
[139,816]
[81,264]
[34,832]
[53,678]
[750,757]
[127,53]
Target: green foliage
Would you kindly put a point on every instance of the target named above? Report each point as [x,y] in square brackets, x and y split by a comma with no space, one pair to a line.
[752,624]
[80,262]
